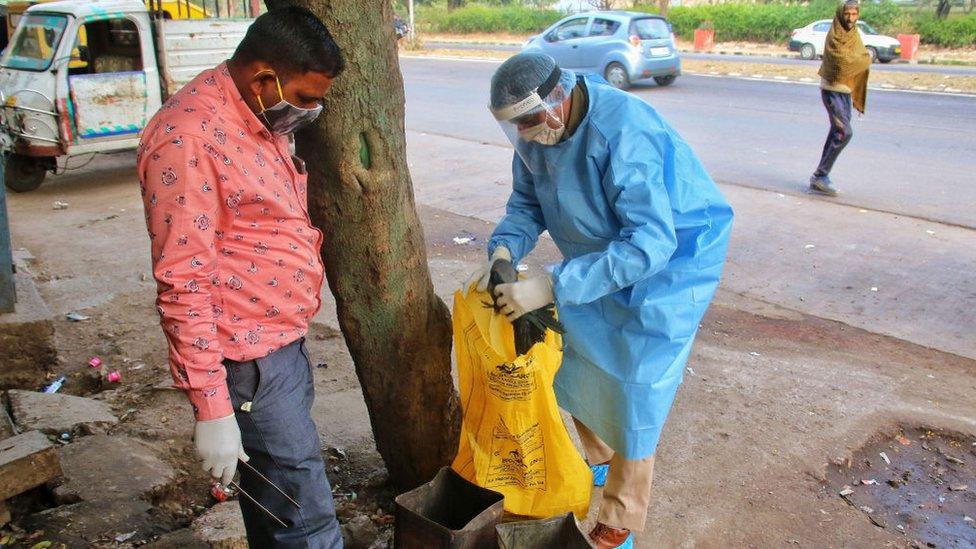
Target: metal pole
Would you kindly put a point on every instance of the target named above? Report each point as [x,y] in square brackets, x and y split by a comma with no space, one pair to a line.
[413,33]
[8,293]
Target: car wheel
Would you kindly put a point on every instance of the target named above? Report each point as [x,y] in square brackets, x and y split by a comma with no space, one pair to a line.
[807,51]
[665,80]
[23,173]
[616,75]
[885,60]
[873,53]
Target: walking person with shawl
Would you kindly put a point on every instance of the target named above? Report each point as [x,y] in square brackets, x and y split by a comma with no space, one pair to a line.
[844,82]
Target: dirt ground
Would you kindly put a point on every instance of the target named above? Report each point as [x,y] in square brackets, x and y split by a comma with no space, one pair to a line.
[772,399]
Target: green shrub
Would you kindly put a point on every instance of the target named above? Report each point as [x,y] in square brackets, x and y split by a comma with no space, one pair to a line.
[732,22]
[951,33]
[765,22]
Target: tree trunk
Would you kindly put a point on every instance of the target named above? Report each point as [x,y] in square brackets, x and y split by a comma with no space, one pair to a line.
[360,195]
[663,6]
[943,8]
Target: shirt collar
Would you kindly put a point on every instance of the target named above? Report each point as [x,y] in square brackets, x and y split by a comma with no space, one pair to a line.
[246,116]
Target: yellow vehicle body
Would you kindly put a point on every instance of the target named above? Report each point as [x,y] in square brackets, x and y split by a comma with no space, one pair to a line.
[174,9]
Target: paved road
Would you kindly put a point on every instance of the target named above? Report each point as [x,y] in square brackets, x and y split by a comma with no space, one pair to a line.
[912,155]
[889,67]
[890,273]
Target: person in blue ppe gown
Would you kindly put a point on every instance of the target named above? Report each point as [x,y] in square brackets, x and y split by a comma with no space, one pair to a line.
[643,230]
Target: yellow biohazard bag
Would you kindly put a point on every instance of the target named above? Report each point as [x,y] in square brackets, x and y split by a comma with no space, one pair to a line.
[513,439]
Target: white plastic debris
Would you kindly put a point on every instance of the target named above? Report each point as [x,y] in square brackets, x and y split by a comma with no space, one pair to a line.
[460,241]
[522,267]
[59,205]
[874,288]
[754,353]
[930,231]
[846,491]
[869,482]
[866,509]
[884,456]
[76,317]
[809,247]
[690,371]
[122,538]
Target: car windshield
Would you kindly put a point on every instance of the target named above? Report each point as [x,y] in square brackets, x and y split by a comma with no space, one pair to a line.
[650,28]
[865,28]
[34,43]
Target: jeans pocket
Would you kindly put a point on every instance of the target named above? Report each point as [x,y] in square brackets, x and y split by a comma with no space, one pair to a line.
[308,360]
[244,381]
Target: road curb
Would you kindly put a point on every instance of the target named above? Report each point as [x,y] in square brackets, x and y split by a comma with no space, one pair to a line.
[952,92]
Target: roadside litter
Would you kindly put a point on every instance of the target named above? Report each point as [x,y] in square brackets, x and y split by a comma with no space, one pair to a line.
[465,238]
[76,317]
[55,387]
[59,205]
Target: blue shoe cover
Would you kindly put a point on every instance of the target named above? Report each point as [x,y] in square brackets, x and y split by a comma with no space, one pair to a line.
[628,543]
[599,474]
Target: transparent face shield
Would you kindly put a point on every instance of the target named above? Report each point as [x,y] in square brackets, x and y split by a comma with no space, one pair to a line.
[537,121]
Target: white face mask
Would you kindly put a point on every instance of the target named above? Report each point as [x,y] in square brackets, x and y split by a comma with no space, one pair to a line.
[543,134]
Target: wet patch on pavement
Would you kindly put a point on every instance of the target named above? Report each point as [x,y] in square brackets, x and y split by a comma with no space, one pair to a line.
[919,483]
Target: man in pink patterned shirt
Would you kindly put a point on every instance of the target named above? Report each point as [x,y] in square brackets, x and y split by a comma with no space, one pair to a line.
[238,269]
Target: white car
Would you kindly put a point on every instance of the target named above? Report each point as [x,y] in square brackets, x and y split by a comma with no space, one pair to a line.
[809,41]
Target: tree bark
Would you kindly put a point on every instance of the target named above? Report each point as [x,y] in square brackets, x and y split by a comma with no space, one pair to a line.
[361,196]
[942,9]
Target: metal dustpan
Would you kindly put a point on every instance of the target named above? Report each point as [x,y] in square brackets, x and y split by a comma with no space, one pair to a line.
[447,512]
[552,533]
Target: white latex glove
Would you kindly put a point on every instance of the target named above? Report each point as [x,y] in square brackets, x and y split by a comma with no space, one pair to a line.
[218,443]
[483,273]
[524,296]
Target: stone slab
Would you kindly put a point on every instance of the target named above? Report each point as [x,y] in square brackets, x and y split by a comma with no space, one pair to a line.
[222,527]
[57,413]
[26,337]
[26,461]
[116,468]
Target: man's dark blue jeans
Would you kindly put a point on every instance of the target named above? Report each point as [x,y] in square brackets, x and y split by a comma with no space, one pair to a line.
[841,131]
[280,438]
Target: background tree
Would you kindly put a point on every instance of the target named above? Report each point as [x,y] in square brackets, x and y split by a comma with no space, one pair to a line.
[602,5]
[360,194]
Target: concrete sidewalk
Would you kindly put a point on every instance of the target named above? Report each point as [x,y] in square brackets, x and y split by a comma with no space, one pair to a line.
[884,273]
[770,397]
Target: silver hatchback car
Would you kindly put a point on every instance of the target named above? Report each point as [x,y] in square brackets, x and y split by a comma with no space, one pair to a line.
[622,46]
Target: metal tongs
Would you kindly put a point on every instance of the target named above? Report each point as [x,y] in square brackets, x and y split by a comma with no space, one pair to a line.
[237,487]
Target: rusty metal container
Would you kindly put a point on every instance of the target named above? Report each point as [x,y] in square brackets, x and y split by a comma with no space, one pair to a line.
[447,512]
[552,533]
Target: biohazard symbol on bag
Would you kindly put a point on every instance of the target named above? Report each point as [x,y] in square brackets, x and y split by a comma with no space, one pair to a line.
[513,439]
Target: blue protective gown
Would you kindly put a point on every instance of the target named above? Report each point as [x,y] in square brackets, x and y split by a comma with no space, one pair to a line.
[644,231]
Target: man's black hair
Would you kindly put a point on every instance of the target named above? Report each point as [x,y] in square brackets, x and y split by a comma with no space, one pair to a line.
[293,41]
